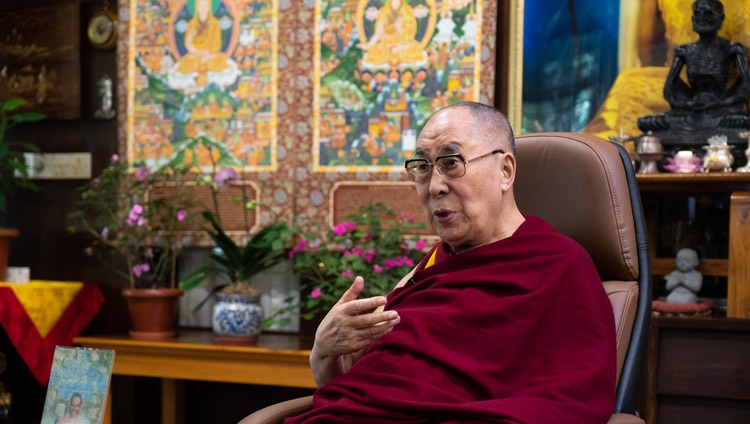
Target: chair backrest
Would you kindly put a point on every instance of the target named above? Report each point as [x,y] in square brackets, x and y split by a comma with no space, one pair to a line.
[586,188]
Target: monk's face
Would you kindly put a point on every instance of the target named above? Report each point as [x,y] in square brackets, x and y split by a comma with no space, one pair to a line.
[465,212]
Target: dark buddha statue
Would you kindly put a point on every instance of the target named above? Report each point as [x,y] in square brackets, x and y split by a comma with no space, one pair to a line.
[705,102]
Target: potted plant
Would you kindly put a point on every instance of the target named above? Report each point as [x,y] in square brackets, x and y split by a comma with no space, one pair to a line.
[237,316]
[372,242]
[126,214]
[13,170]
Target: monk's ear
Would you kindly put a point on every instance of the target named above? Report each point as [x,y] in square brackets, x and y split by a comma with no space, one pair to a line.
[508,171]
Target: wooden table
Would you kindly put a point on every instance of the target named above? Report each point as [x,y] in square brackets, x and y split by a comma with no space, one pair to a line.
[277,360]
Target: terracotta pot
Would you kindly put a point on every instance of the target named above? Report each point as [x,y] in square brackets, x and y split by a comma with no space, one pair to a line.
[153,312]
[6,235]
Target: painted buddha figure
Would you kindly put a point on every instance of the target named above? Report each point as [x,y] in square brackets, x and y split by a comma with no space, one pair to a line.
[393,43]
[705,101]
[204,61]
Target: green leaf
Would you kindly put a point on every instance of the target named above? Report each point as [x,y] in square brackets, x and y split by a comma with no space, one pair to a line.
[195,278]
[12,104]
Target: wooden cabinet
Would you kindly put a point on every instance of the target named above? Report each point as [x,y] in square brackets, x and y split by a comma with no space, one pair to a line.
[730,188]
[698,371]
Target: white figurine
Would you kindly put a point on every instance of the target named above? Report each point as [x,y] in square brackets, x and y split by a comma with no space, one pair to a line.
[685,282]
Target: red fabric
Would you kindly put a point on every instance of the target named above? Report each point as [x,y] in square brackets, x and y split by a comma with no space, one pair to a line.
[517,331]
[36,351]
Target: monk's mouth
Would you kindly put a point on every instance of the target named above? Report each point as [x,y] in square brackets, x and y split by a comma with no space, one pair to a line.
[442,215]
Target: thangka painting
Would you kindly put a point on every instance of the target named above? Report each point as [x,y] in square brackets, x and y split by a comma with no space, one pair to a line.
[382,68]
[202,83]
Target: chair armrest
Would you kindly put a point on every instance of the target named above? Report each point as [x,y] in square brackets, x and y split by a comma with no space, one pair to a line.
[625,419]
[276,413]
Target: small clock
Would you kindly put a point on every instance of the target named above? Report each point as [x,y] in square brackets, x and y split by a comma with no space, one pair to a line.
[102,29]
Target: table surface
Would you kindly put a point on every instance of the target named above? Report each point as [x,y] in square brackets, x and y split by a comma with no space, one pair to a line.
[277,359]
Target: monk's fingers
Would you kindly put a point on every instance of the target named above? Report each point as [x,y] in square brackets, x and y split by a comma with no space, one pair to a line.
[362,306]
[374,319]
[353,291]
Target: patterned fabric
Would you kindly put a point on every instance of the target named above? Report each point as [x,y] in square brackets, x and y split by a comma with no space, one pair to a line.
[41,315]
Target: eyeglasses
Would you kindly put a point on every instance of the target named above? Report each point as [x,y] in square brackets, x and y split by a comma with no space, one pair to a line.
[449,166]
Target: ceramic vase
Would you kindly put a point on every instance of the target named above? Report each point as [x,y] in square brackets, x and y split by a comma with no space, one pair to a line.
[237,318]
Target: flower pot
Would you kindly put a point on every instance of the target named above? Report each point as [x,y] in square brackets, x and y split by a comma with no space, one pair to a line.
[6,235]
[153,312]
[237,318]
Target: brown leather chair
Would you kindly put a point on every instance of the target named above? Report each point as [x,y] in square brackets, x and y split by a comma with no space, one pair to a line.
[586,188]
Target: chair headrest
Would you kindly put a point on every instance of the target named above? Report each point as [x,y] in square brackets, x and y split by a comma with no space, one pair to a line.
[578,183]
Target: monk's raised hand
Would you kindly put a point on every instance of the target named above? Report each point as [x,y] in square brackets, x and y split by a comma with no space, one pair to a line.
[351,326]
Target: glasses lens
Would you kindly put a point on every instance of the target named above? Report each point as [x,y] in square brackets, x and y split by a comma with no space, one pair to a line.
[452,166]
[418,170]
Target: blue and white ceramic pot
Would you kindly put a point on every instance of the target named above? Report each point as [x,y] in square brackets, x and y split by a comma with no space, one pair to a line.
[237,318]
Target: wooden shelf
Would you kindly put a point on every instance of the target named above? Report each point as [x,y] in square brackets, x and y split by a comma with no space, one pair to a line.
[707,267]
[686,182]
[736,187]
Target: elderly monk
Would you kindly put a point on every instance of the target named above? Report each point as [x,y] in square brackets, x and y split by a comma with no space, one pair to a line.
[504,321]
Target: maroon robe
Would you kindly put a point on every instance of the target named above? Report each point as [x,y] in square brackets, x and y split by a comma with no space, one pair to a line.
[516,331]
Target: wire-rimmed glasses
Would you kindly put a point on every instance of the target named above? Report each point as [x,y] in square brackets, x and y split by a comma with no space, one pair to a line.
[449,166]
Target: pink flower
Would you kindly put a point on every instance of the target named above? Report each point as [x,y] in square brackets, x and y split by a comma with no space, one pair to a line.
[419,245]
[89,251]
[347,273]
[149,253]
[301,245]
[181,214]
[406,217]
[225,176]
[347,254]
[114,158]
[377,269]
[105,233]
[291,254]
[96,180]
[316,293]
[344,227]
[369,255]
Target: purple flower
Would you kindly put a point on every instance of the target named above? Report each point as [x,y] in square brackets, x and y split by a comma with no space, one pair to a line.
[316,293]
[377,269]
[347,273]
[181,214]
[114,158]
[96,180]
[140,269]
[225,176]
[142,173]
[105,233]
[134,216]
